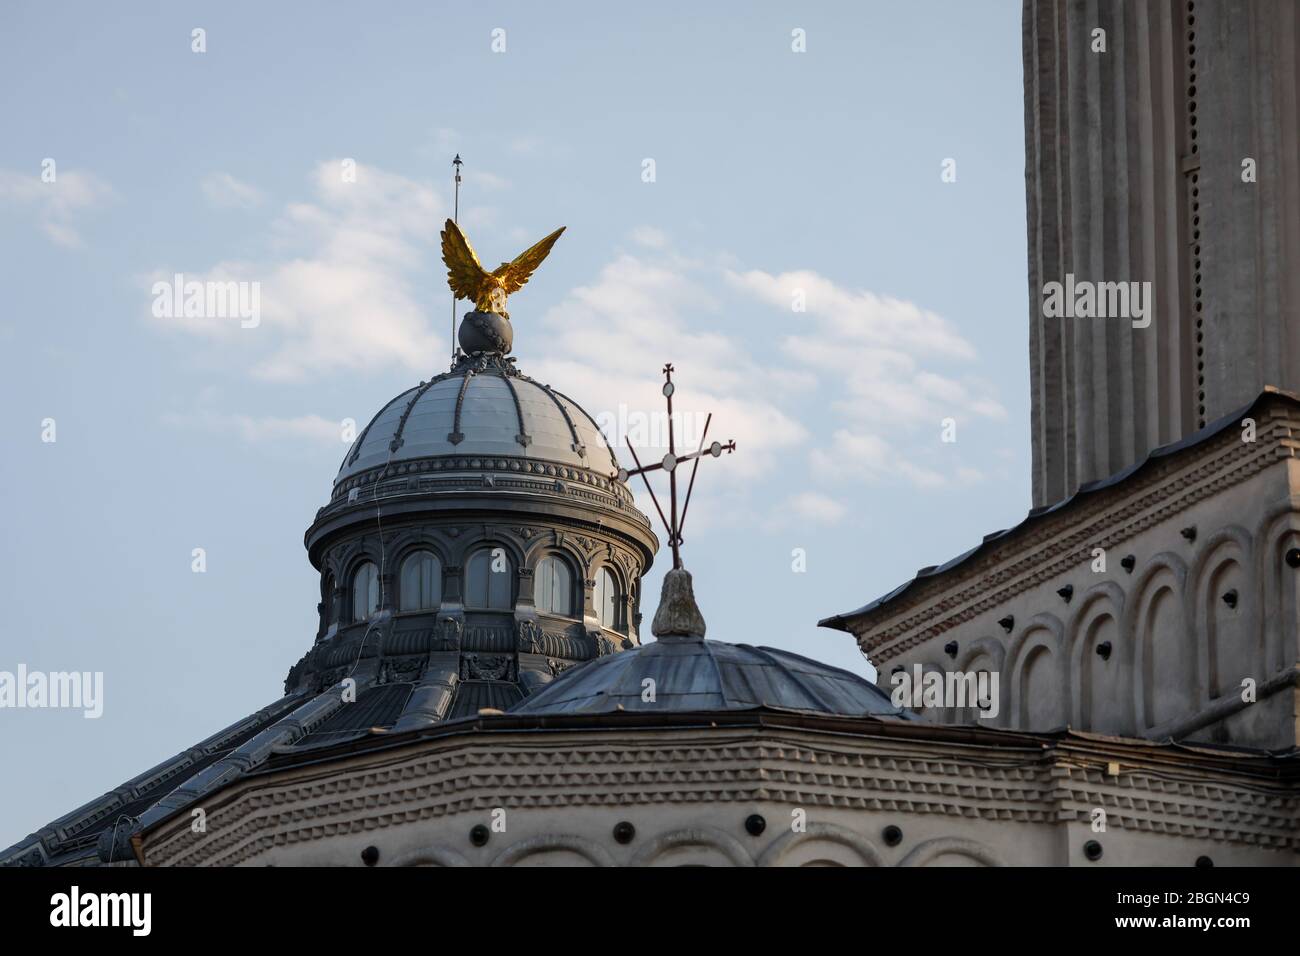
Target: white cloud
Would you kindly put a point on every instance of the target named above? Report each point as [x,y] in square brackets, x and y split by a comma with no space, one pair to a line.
[880,348]
[817,508]
[312,428]
[483,179]
[57,204]
[859,317]
[869,458]
[224,190]
[607,343]
[649,237]
[892,363]
[337,293]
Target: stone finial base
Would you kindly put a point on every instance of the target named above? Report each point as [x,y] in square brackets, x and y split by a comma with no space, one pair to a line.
[678,614]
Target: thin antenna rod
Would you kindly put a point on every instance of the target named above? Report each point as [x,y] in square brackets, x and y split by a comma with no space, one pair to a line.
[455,217]
[641,472]
[675,538]
[699,453]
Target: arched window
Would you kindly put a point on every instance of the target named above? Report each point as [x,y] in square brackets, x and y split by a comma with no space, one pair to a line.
[421,584]
[489,580]
[608,600]
[365,591]
[553,586]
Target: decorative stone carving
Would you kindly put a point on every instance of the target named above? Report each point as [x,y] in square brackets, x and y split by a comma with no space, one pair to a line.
[558,667]
[530,637]
[448,634]
[486,667]
[678,614]
[400,670]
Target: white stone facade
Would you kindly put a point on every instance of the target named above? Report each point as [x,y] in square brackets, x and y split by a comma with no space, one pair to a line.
[956,796]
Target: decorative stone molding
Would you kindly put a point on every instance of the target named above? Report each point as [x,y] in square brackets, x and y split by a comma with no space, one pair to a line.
[591,851]
[927,852]
[431,856]
[704,837]
[463,775]
[786,844]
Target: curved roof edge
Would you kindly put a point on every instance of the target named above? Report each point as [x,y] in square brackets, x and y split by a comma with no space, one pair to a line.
[840,622]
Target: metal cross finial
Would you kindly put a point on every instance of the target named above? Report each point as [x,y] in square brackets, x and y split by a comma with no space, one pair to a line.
[669,464]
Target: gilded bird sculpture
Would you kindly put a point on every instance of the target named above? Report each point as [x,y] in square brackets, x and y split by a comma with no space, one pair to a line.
[488,290]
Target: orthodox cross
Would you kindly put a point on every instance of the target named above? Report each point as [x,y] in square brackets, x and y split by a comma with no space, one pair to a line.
[670,464]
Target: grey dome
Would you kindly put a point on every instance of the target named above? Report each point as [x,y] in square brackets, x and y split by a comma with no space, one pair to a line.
[691,674]
[480,409]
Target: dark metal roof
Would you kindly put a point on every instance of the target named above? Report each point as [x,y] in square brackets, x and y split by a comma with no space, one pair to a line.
[480,408]
[475,695]
[840,621]
[690,674]
[374,707]
[75,835]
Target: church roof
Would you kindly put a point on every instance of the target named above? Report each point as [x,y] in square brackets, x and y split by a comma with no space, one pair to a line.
[692,674]
[483,407]
[1036,515]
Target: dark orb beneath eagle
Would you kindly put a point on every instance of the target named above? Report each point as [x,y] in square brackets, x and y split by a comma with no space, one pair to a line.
[486,332]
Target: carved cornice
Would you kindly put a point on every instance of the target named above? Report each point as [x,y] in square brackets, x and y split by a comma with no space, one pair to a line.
[467,776]
[409,475]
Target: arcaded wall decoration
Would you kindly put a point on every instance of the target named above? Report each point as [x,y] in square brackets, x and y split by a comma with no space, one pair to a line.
[1038,692]
[931,850]
[1226,594]
[707,842]
[1165,667]
[431,856]
[1276,534]
[1101,663]
[937,715]
[984,655]
[827,842]
[556,843]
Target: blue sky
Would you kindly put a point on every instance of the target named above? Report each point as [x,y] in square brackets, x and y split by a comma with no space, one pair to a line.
[777,175]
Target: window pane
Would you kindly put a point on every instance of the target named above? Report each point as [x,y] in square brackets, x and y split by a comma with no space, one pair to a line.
[476,580]
[408,589]
[365,592]
[421,585]
[542,585]
[488,581]
[431,586]
[607,598]
[499,585]
[554,589]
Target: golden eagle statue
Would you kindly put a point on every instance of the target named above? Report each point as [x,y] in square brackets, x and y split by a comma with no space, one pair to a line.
[488,290]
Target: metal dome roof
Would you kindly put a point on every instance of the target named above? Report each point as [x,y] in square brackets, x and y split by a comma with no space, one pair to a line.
[482,408]
[692,674]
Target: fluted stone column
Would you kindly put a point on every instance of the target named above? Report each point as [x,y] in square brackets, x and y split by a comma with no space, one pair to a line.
[1133,171]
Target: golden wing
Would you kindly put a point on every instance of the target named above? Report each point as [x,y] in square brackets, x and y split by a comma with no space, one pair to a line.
[465,274]
[513,275]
